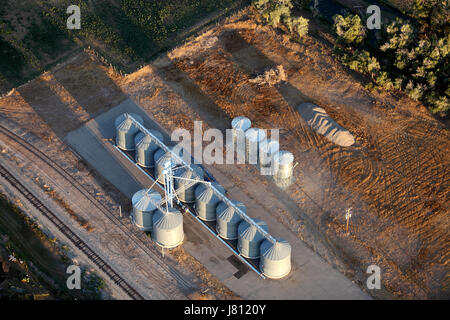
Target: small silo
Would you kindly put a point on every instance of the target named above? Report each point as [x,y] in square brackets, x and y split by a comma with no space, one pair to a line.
[126,130]
[267,150]
[238,126]
[228,219]
[206,201]
[144,202]
[253,138]
[249,238]
[284,164]
[275,262]
[168,228]
[185,189]
[146,148]
[161,157]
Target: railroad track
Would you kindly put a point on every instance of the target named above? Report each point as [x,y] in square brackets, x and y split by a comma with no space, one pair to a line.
[139,239]
[80,244]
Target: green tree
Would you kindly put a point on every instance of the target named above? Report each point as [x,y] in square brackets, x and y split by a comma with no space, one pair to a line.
[349,29]
[298,25]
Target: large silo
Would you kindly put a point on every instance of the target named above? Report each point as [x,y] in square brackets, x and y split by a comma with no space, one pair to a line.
[267,150]
[206,201]
[168,228]
[161,157]
[284,162]
[146,148]
[249,238]
[126,130]
[185,189]
[253,138]
[275,262]
[228,219]
[238,126]
[144,202]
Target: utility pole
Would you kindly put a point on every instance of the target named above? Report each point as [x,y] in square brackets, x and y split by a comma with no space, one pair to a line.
[347,217]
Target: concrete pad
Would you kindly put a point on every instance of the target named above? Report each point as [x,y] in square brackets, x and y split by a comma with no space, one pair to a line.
[310,278]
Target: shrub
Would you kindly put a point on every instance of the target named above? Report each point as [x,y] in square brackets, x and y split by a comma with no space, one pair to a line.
[276,11]
[349,29]
[439,104]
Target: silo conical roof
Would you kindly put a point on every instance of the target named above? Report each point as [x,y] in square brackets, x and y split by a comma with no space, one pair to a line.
[146,200]
[255,134]
[242,123]
[284,157]
[167,220]
[279,250]
[249,232]
[227,213]
[144,141]
[269,146]
[124,123]
[204,193]
[162,156]
[196,174]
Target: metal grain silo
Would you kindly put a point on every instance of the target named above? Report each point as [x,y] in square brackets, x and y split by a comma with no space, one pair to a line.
[144,203]
[253,138]
[228,219]
[249,238]
[146,148]
[275,259]
[168,228]
[267,150]
[161,157]
[206,201]
[239,125]
[185,189]
[126,130]
[284,162]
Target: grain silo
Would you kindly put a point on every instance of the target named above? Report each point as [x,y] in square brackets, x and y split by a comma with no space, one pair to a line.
[239,125]
[228,219]
[185,189]
[168,228]
[267,150]
[206,201]
[146,148]
[275,262]
[161,157]
[253,138]
[284,164]
[126,130]
[249,238]
[144,203]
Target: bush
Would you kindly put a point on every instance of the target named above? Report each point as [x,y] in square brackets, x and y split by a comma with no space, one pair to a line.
[298,25]
[362,61]
[349,29]
[276,11]
[439,104]
[433,14]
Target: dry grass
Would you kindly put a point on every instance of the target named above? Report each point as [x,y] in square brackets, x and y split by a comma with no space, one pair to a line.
[271,77]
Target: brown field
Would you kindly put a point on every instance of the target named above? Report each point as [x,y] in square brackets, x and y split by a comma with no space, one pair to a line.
[395,176]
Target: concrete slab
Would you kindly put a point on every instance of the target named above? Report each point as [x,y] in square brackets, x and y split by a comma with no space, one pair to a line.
[311,277]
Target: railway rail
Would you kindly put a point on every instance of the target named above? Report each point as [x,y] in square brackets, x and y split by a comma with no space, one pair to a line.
[140,239]
[77,241]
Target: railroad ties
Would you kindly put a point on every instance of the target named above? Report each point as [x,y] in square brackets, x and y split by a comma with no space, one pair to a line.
[80,244]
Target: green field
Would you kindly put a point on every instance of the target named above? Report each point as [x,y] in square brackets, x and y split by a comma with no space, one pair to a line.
[128,33]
